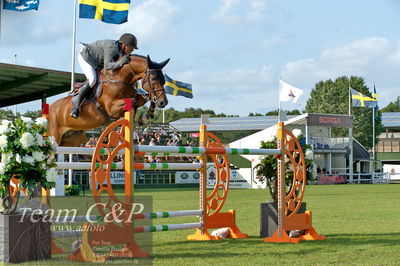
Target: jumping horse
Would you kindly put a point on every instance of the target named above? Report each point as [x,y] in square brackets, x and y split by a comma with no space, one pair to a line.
[116,85]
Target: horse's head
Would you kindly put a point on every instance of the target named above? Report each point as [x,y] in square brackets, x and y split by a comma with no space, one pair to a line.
[153,82]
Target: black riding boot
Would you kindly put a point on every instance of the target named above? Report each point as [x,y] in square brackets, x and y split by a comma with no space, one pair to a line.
[78,99]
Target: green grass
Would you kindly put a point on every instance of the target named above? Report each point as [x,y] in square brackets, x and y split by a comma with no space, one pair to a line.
[361,223]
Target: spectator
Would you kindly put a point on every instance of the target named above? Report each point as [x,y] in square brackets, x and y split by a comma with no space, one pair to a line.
[152,142]
[91,143]
[146,132]
[318,170]
[324,170]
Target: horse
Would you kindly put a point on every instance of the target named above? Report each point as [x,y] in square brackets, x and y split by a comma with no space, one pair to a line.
[116,85]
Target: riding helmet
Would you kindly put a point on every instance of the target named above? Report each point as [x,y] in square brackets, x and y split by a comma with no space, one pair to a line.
[128,39]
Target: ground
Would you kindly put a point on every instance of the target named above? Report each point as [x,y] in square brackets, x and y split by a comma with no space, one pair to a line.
[361,223]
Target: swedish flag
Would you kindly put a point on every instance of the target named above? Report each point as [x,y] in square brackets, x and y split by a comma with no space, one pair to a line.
[109,11]
[361,100]
[178,88]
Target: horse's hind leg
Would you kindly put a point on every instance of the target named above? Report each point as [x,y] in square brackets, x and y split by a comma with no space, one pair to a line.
[73,138]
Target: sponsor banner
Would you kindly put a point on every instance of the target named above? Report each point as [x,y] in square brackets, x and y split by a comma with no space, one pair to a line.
[329,120]
[237,180]
[117,178]
[185,177]
[333,179]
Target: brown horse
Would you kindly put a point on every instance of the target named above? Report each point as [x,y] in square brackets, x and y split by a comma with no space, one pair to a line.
[116,85]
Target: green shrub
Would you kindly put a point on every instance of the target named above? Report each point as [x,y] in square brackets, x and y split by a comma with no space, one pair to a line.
[71,190]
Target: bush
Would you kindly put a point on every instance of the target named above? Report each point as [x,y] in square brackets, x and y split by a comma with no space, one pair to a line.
[72,190]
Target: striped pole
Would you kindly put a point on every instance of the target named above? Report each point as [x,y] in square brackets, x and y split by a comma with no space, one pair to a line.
[167,227]
[204,150]
[173,150]
[138,166]
[155,215]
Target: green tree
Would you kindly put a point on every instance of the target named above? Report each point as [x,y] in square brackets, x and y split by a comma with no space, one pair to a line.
[5,113]
[276,112]
[332,97]
[392,106]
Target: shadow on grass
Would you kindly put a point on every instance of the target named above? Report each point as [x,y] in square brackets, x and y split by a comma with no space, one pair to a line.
[385,239]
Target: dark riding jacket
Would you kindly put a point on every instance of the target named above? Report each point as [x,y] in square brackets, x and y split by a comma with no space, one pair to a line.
[103,54]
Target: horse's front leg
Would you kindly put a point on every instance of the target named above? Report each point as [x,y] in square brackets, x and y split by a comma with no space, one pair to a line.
[150,112]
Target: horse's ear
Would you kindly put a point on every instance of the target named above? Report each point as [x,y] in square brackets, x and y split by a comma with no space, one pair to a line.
[164,63]
[148,59]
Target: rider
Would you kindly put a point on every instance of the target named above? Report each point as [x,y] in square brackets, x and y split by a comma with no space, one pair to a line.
[107,54]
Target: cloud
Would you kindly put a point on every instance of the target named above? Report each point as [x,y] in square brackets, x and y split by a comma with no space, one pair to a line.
[275,41]
[356,58]
[151,20]
[240,11]
[34,27]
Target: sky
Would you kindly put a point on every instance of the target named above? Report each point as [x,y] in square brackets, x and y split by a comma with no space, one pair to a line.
[233,52]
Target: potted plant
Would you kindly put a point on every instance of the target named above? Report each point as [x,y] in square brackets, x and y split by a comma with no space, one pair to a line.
[267,167]
[27,157]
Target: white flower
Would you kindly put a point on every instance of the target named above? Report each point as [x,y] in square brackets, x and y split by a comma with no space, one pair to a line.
[18,158]
[38,156]
[4,128]
[27,120]
[6,157]
[270,138]
[53,142]
[39,140]
[41,121]
[3,141]
[28,159]
[2,168]
[297,132]
[51,175]
[309,154]
[27,140]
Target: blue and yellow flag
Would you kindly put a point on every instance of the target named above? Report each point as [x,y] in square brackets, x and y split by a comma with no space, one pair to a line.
[361,100]
[21,5]
[178,88]
[109,11]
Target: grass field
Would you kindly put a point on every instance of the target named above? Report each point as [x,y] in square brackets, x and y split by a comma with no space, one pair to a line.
[361,223]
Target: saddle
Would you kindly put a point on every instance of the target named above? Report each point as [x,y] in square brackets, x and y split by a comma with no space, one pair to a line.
[97,90]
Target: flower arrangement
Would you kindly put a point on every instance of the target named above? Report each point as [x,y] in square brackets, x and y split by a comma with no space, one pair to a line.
[25,154]
[268,164]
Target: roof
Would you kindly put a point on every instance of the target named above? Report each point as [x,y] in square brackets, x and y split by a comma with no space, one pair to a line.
[20,84]
[390,120]
[259,122]
[226,123]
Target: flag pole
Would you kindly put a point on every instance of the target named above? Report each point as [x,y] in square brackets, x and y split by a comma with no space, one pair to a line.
[73,46]
[350,142]
[279,100]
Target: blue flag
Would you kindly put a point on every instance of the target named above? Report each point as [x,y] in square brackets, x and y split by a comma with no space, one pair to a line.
[21,5]
[361,100]
[178,88]
[109,11]
[375,109]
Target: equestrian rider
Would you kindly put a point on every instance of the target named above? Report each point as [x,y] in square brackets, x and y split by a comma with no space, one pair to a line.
[106,54]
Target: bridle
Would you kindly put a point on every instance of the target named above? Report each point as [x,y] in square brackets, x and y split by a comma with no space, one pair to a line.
[146,79]
[151,88]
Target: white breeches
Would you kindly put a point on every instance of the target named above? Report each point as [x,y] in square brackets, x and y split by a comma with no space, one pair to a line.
[88,70]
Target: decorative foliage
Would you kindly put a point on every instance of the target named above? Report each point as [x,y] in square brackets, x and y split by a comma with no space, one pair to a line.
[268,164]
[26,155]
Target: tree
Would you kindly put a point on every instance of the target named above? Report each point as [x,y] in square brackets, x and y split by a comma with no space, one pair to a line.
[4,114]
[392,106]
[332,97]
[276,112]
